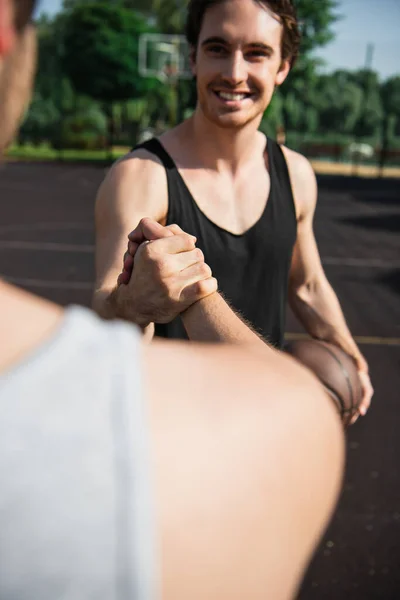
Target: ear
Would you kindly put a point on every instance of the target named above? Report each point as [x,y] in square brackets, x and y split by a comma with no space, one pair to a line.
[192,59]
[7,28]
[282,73]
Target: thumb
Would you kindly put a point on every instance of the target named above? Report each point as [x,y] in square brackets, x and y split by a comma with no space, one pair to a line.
[149,230]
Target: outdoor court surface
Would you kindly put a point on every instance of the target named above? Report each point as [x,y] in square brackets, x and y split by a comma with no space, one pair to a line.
[46,243]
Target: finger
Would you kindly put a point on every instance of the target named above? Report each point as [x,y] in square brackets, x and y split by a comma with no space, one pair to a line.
[199,290]
[368,392]
[132,248]
[176,230]
[355,418]
[182,261]
[149,229]
[361,363]
[128,262]
[124,278]
[174,244]
[194,273]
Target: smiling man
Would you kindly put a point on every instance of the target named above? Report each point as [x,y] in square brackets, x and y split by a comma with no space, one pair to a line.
[249,201]
[115,484]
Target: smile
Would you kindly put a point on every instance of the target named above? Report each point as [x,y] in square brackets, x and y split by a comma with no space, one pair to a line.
[232,97]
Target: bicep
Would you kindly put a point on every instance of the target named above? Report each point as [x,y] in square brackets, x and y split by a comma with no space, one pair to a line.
[132,190]
[111,239]
[306,263]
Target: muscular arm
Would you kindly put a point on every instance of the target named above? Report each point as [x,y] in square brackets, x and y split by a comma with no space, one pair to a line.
[219,417]
[134,188]
[311,296]
[213,320]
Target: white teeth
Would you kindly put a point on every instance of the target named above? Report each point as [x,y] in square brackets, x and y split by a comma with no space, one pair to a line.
[235,97]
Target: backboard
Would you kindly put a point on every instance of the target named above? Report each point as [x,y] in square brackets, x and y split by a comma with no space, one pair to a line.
[163,56]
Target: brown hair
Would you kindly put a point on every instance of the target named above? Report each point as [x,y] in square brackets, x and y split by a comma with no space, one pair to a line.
[284,9]
[23,13]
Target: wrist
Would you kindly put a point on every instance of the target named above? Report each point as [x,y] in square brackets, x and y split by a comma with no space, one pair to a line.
[198,306]
[124,308]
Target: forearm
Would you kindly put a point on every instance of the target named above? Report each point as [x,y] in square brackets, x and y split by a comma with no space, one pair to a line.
[213,320]
[319,310]
[104,304]
[109,305]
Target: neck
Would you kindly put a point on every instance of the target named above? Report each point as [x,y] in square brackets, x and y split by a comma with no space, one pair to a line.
[223,149]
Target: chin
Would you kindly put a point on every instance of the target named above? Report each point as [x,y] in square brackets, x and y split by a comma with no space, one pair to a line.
[233,120]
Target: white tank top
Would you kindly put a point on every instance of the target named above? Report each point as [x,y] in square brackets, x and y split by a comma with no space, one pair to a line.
[76,505]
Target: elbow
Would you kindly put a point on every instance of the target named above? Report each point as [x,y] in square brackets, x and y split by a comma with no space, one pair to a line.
[302,295]
[307,292]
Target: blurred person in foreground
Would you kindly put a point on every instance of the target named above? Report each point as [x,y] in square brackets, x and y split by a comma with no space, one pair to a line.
[249,201]
[166,471]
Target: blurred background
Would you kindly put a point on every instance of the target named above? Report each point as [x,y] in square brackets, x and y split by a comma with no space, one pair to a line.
[340,106]
[95,98]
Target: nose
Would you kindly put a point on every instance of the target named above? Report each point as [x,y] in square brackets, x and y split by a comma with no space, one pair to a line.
[235,71]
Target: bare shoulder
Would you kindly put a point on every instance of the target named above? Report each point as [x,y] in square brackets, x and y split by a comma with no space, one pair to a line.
[135,187]
[135,184]
[211,401]
[303,180]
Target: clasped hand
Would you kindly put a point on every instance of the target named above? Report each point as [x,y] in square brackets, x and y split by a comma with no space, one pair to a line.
[163,274]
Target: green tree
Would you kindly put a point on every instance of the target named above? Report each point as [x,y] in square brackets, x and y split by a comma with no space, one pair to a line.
[299,92]
[390,97]
[339,102]
[316,21]
[170,15]
[371,115]
[101,51]
[100,55]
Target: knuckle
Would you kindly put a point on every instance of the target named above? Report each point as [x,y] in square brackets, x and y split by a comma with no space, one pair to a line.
[147,251]
[201,287]
[205,270]
[187,239]
[199,255]
[150,251]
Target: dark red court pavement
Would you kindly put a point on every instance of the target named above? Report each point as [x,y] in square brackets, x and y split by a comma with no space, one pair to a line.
[46,245]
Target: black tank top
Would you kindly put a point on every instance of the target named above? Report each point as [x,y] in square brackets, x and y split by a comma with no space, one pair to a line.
[252,269]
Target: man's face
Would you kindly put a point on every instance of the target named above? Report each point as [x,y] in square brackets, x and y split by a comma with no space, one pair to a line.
[238,62]
[17,68]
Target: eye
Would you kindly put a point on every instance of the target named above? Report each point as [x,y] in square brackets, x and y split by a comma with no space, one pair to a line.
[216,49]
[258,54]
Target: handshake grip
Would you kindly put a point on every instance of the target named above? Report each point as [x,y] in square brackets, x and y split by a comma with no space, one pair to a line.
[163,274]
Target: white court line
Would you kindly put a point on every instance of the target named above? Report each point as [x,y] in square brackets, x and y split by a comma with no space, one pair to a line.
[47,246]
[56,285]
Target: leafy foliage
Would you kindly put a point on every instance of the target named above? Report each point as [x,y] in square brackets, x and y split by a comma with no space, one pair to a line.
[101,51]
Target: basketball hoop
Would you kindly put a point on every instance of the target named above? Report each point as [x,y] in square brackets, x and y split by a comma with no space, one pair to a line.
[165,57]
